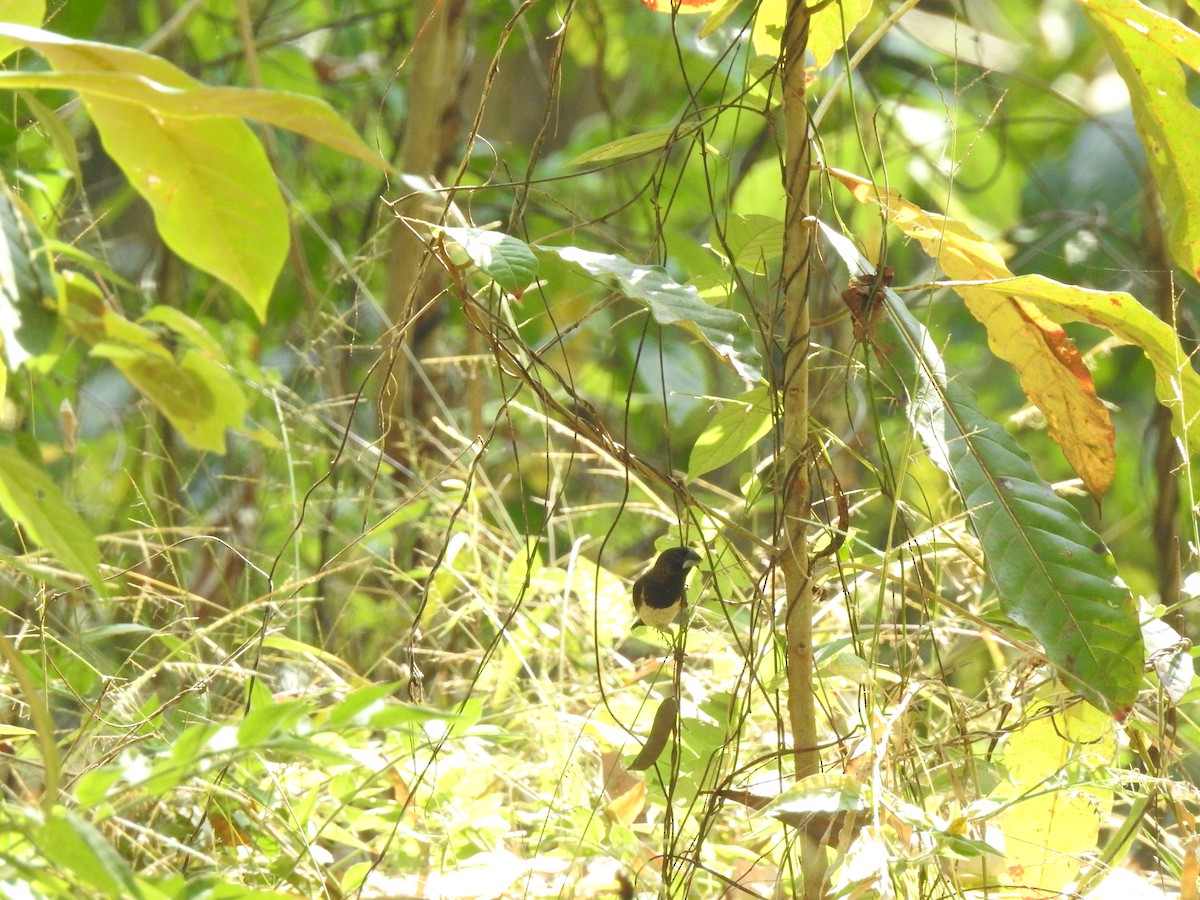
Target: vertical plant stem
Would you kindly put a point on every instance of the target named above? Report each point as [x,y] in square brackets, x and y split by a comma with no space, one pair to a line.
[793,548]
[1165,518]
[434,70]
[43,722]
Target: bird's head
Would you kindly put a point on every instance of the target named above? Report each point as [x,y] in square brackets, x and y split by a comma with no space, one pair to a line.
[677,559]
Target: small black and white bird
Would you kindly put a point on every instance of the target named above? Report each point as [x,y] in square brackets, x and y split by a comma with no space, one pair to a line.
[658,596]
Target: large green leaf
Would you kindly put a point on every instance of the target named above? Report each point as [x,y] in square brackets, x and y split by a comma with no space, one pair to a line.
[1052,572]
[30,498]
[1148,48]
[309,116]
[20,12]
[671,303]
[753,241]
[213,192]
[198,397]
[737,426]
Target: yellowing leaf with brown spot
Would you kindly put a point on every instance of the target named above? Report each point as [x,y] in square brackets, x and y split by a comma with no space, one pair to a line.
[1052,373]
[1176,382]
[683,6]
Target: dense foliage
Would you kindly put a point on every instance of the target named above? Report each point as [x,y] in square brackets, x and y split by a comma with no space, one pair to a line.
[359,355]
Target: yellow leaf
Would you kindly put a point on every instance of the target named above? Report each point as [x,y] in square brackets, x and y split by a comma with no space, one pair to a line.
[1049,828]
[1148,49]
[1052,372]
[828,28]
[1176,383]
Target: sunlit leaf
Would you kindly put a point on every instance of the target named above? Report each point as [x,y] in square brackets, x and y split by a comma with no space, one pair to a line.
[1170,653]
[506,260]
[357,706]
[827,30]
[190,386]
[309,116]
[1176,382]
[19,12]
[214,195]
[1050,828]
[197,395]
[1147,48]
[736,427]
[29,497]
[671,303]
[828,793]
[718,15]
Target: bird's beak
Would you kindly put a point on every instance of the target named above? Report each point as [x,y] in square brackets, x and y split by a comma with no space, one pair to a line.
[691,563]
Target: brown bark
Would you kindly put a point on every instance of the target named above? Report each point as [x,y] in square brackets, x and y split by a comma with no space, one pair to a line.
[793,550]
[415,283]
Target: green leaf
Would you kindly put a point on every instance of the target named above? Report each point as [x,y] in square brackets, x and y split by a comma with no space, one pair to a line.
[213,192]
[195,391]
[506,260]
[725,331]
[30,498]
[1052,572]
[93,786]
[753,240]
[357,707]
[208,181]
[825,794]
[19,12]
[27,291]
[299,648]
[181,764]
[191,331]
[1170,654]
[198,397]
[737,426]
[828,27]
[57,132]
[78,848]
[309,116]
[1148,48]
[394,715]
[269,721]
[634,145]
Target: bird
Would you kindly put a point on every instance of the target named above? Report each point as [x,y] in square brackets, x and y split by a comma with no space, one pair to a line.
[658,596]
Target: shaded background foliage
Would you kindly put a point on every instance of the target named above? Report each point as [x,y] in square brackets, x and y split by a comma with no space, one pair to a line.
[453,555]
